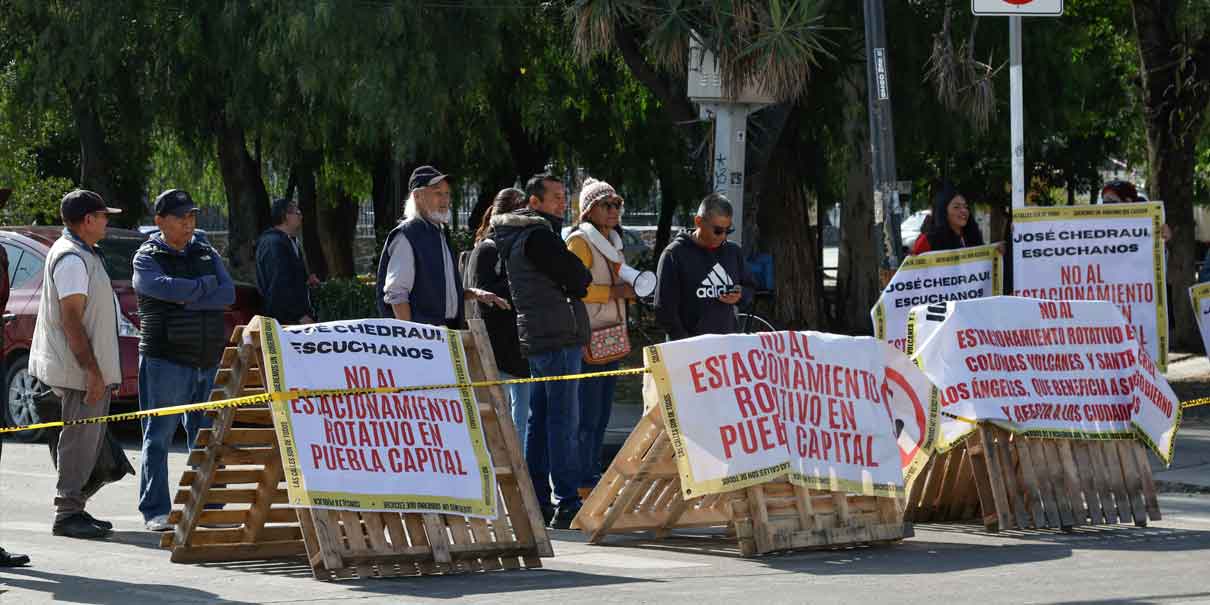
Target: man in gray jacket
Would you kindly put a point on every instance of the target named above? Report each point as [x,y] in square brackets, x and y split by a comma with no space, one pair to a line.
[75,351]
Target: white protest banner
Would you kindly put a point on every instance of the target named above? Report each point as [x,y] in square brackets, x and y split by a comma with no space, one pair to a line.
[931,278]
[1066,369]
[743,409]
[412,451]
[1106,252]
[1199,296]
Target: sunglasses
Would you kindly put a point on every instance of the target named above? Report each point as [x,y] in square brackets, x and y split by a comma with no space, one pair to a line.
[723,230]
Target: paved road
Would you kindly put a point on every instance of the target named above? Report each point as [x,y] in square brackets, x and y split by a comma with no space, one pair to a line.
[1162,563]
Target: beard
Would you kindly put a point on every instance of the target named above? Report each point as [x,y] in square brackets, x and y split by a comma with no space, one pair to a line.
[439,216]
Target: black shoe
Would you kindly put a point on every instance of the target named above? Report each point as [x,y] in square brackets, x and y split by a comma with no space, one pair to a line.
[76,526]
[563,517]
[9,559]
[548,513]
[95,521]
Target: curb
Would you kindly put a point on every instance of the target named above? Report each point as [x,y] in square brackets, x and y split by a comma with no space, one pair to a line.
[1181,488]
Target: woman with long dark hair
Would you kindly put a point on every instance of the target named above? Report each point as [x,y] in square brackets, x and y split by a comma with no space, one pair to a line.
[484,271]
[952,226]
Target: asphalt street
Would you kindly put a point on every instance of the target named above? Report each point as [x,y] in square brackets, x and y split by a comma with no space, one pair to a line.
[1162,563]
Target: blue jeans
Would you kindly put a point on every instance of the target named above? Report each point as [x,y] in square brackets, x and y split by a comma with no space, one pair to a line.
[596,401]
[163,383]
[518,398]
[554,427]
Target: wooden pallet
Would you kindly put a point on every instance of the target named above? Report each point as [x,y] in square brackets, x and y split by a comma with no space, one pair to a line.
[641,492]
[1011,481]
[238,464]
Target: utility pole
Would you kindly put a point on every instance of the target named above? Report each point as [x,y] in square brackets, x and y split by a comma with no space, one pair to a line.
[887,210]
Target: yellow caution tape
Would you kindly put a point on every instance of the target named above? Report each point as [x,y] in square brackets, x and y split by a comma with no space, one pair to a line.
[1195,403]
[285,395]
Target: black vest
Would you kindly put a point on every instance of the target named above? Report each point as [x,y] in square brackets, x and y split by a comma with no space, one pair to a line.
[189,338]
[427,297]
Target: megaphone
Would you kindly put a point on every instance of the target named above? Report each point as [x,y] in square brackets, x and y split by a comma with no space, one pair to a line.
[643,282]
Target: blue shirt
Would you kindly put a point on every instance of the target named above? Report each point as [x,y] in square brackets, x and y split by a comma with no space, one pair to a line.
[208,293]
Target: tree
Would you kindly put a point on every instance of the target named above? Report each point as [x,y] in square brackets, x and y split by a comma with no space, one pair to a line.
[1174,51]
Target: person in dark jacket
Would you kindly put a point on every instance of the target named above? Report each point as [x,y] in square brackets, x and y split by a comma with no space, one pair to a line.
[952,226]
[484,271]
[547,282]
[418,276]
[702,276]
[281,272]
[183,289]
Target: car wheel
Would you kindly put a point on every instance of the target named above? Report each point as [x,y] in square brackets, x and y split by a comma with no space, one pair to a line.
[21,403]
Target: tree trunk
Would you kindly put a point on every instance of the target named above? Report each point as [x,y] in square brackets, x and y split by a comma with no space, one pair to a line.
[247,199]
[857,275]
[338,229]
[1175,81]
[387,194]
[96,166]
[787,234]
[308,203]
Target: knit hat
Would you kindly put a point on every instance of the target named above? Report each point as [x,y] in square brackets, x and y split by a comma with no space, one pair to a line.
[593,192]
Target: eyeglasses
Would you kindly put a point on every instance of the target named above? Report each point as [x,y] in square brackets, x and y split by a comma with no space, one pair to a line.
[723,230]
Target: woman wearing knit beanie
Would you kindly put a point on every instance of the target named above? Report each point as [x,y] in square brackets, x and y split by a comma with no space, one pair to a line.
[597,241]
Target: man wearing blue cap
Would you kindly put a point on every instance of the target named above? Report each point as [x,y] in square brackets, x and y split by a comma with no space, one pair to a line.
[417,274]
[183,289]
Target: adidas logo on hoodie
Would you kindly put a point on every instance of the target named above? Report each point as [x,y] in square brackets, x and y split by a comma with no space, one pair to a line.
[717,283]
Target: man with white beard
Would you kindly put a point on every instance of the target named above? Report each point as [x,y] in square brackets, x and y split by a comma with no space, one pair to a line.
[417,275]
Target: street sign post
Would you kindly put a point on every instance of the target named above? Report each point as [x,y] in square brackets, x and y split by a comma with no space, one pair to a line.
[1015,10]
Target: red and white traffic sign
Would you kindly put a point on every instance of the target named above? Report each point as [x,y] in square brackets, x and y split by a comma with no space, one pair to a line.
[1018,8]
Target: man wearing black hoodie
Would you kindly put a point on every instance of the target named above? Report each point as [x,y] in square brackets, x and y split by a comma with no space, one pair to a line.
[702,276]
[547,282]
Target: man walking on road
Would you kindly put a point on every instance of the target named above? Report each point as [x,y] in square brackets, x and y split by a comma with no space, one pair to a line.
[281,273]
[183,289]
[75,352]
[548,282]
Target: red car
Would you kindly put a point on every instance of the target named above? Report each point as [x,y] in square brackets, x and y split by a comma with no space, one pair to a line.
[27,248]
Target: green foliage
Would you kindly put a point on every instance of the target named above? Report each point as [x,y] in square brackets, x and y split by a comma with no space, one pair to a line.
[338,299]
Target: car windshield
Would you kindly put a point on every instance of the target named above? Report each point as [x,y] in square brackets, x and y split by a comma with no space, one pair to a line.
[913,222]
[119,256]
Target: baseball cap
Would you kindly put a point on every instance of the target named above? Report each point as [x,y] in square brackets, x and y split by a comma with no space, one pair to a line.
[425,176]
[80,203]
[174,202]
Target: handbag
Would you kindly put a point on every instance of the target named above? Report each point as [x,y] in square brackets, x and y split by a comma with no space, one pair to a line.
[610,343]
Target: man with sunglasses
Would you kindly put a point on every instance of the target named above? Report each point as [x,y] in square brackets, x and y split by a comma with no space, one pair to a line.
[702,276]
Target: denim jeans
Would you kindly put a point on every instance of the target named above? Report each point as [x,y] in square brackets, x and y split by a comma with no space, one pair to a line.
[596,401]
[518,399]
[554,427]
[163,383]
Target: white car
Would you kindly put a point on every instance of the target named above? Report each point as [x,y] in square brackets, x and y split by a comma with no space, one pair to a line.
[909,229]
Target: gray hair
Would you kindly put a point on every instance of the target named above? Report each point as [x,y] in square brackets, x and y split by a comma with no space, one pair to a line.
[715,204]
[410,209]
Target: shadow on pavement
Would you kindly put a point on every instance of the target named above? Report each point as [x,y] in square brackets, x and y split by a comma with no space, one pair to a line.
[143,539]
[1098,537]
[73,589]
[1146,600]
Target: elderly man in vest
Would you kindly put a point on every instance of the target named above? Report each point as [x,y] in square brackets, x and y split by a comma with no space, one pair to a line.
[75,352]
[183,289]
[417,275]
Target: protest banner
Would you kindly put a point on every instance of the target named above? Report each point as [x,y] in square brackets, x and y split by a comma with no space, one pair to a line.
[1106,252]
[1199,297]
[931,278]
[418,451]
[743,409]
[1045,368]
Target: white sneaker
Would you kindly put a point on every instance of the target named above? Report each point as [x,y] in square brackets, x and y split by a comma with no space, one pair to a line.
[159,523]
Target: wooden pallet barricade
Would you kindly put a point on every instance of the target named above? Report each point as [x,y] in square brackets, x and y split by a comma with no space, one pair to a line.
[237,463]
[1010,481]
[641,492]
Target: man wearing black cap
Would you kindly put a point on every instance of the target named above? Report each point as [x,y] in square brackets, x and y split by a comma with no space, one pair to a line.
[281,273]
[75,351]
[417,275]
[183,289]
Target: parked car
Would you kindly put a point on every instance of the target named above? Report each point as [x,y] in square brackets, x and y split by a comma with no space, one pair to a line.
[27,248]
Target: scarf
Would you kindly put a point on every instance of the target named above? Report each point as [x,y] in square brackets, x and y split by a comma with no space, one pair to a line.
[611,249]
